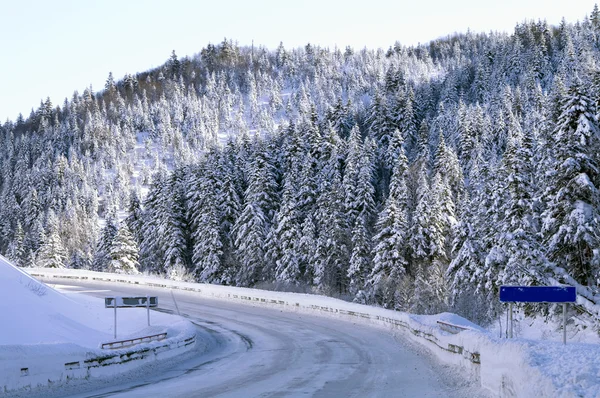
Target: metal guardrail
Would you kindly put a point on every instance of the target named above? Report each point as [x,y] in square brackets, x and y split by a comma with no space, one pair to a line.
[132,342]
[450,328]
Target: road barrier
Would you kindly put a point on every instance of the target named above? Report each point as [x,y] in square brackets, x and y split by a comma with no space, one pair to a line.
[132,342]
[451,328]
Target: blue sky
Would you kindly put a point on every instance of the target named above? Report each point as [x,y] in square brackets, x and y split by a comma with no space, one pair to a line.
[52,48]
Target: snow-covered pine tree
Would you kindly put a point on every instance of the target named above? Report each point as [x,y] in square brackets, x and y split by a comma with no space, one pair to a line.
[124,252]
[360,258]
[394,149]
[419,236]
[175,238]
[52,253]
[230,204]
[16,249]
[408,122]
[203,213]
[389,261]
[287,235]
[251,227]
[207,257]
[351,174]
[571,221]
[306,247]
[103,248]
[134,218]
[332,251]
[526,262]
[466,264]
[151,250]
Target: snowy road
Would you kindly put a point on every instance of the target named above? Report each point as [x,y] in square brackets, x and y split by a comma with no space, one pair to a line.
[263,352]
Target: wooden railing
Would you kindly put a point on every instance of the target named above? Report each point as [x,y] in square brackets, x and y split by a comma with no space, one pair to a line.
[131,342]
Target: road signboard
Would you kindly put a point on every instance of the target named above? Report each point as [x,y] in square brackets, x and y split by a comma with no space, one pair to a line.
[538,294]
[130,302]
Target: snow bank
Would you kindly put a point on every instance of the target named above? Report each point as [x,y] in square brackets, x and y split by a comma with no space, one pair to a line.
[506,368]
[48,339]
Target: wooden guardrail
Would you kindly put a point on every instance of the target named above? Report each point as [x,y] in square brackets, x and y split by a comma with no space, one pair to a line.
[131,342]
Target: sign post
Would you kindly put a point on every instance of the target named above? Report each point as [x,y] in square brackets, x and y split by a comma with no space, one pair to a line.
[510,330]
[115,305]
[538,294]
[130,302]
[148,308]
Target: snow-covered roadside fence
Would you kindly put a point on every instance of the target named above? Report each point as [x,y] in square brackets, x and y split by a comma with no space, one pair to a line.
[27,367]
[451,328]
[132,342]
[518,368]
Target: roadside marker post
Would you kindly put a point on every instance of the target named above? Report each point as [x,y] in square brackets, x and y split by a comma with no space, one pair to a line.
[538,294]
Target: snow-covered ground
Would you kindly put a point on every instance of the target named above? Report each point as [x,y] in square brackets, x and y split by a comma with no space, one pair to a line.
[43,331]
[518,367]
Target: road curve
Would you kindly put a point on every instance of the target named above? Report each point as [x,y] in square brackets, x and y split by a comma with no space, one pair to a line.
[252,351]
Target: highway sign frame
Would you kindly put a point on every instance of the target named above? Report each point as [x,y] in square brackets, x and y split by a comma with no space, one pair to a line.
[130,302]
[538,294]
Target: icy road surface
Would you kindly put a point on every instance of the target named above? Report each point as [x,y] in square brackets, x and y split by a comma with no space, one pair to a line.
[262,352]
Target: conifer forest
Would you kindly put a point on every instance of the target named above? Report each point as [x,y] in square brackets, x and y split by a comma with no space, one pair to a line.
[415,178]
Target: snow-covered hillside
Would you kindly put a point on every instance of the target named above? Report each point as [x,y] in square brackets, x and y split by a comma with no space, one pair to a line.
[48,338]
[36,313]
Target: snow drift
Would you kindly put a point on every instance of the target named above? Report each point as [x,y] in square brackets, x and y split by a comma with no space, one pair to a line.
[49,339]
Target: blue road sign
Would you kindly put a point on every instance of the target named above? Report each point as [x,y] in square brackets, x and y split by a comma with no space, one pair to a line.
[537,294]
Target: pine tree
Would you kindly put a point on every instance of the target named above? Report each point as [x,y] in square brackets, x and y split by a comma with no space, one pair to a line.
[251,227]
[176,241]
[124,252]
[306,247]
[526,263]
[358,180]
[208,251]
[331,253]
[151,250]
[229,208]
[134,219]
[103,249]
[389,262]
[175,65]
[466,264]
[287,235]
[360,257]
[419,236]
[16,250]
[203,211]
[351,172]
[52,253]
[571,221]
[408,124]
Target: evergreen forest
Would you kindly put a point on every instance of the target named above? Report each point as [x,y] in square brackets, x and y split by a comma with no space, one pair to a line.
[415,178]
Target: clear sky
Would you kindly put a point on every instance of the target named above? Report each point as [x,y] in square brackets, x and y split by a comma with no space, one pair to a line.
[52,48]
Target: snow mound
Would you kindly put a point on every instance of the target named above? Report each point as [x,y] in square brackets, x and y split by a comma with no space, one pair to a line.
[36,313]
[452,319]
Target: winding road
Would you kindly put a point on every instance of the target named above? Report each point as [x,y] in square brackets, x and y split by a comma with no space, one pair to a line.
[253,351]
